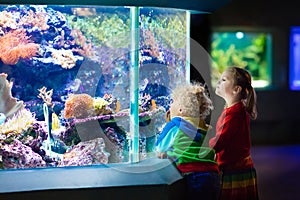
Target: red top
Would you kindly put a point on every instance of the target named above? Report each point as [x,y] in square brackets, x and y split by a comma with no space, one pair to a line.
[232,141]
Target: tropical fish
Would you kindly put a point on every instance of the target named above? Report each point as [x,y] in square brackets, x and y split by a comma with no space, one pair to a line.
[55,122]
[153,104]
[118,106]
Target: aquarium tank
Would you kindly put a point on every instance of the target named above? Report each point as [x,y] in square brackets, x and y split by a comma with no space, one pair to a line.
[248,49]
[294,75]
[87,85]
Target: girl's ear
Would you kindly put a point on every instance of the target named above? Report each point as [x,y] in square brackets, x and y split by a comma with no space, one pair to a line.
[237,89]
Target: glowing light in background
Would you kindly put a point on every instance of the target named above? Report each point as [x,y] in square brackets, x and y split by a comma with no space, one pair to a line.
[239,35]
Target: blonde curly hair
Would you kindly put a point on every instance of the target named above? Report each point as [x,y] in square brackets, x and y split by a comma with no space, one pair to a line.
[193,99]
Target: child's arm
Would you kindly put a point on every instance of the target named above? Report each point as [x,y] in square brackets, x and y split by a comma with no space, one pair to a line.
[164,142]
[224,132]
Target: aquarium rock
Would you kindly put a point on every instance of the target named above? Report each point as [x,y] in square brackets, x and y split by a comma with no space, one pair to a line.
[86,153]
[18,155]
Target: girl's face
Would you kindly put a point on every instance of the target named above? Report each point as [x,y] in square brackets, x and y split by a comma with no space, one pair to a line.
[225,86]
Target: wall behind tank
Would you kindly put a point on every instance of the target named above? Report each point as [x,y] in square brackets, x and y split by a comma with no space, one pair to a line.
[279,117]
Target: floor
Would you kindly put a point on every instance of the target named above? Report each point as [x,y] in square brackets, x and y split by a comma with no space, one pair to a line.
[278,171]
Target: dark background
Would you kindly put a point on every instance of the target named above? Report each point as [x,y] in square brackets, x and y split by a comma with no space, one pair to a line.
[275,134]
[278,107]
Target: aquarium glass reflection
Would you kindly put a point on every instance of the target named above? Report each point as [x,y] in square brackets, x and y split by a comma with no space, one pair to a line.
[65,77]
[294,76]
[247,49]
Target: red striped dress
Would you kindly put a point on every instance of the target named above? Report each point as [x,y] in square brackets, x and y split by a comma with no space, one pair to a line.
[232,145]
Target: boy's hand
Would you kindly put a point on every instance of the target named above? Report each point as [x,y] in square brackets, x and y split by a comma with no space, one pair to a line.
[161,155]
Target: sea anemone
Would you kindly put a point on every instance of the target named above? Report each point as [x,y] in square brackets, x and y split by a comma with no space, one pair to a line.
[19,123]
[15,45]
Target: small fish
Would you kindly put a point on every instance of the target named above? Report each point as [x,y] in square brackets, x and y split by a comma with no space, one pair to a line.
[153,104]
[55,122]
[118,106]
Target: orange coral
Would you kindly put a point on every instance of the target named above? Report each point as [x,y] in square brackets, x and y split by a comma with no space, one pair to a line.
[79,106]
[15,45]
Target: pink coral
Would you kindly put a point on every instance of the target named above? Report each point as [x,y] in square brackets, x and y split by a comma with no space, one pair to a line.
[15,45]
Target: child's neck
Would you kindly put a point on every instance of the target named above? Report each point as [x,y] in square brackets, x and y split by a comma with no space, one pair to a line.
[231,103]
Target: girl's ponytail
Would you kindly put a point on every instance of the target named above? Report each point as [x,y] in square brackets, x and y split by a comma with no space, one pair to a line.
[251,102]
[243,78]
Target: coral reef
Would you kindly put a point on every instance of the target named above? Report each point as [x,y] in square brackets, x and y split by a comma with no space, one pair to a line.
[15,45]
[105,29]
[8,104]
[7,20]
[46,96]
[86,153]
[83,105]
[18,155]
[47,46]
[105,127]
[21,121]
[21,141]
[81,40]
[79,106]
[35,19]
[64,58]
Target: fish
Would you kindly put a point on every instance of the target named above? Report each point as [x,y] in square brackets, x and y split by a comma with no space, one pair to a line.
[55,122]
[153,104]
[118,106]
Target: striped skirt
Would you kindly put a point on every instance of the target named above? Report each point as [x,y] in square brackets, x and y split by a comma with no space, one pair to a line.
[239,185]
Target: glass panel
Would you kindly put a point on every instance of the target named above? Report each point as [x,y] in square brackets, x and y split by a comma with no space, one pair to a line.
[70,67]
[247,49]
[163,65]
[65,82]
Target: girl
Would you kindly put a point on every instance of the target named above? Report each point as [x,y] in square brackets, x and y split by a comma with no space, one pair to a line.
[181,140]
[232,140]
